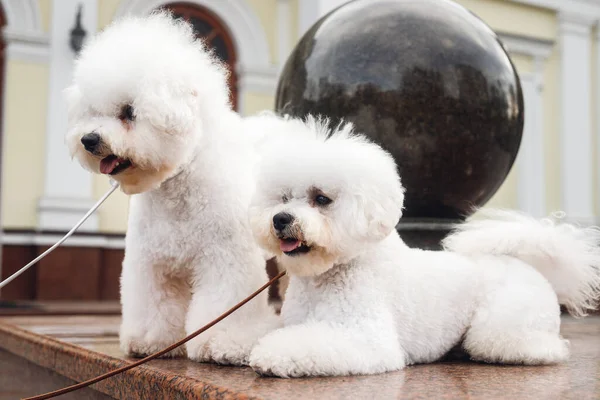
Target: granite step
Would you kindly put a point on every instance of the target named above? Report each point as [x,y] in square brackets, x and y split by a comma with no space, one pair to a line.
[78,347]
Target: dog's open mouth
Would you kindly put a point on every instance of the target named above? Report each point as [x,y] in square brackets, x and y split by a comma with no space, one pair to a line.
[112,165]
[293,246]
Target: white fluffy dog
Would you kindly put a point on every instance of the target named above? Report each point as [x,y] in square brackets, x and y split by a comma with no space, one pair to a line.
[361,302]
[149,107]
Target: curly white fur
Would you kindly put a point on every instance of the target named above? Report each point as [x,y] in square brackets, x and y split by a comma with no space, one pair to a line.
[360,301]
[304,154]
[568,256]
[189,252]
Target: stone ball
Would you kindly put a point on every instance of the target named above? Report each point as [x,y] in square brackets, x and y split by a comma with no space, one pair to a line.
[427,80]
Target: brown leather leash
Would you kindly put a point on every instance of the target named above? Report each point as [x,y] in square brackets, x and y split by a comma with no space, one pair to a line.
[159,353]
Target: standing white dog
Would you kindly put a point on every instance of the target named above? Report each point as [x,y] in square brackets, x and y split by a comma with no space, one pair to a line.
[361,302]
[149,107]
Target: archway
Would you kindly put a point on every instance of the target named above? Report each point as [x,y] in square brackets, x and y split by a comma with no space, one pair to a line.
[215,34]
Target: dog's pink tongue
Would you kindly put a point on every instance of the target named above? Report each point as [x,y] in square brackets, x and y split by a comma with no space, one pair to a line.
[288,245]
[108,164]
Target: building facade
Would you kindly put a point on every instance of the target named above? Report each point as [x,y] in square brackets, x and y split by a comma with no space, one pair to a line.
[555,45]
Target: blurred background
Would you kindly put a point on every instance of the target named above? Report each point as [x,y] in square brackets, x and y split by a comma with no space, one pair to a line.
[554,44]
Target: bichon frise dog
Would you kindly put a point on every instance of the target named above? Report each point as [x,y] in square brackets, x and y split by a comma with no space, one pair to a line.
[149,107]
[360,301]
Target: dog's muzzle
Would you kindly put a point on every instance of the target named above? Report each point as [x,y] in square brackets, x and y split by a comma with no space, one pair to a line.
[291,238]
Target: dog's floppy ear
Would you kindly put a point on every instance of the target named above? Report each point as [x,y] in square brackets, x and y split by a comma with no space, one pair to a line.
[378,194]
[382,211]
[377,208]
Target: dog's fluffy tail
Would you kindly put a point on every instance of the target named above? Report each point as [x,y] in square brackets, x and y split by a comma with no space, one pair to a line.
[566,255]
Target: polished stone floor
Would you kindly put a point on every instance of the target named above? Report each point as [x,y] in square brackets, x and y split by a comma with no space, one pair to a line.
[577,379]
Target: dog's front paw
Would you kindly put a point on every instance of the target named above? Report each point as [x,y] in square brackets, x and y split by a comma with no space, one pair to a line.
[137,343]
[221,348]
[283,355]
[268,361]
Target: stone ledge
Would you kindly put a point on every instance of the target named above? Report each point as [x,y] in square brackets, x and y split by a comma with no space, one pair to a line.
[73,348]
[79,364]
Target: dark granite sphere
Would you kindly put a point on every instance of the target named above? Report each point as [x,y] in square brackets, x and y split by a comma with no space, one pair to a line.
[427,80]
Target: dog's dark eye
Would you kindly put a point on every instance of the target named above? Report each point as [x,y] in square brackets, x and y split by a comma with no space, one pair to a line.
[127,113]
[322,200]
[284,198]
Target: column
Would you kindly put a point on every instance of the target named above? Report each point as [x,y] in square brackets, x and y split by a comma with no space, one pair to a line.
[68,187]
[531,194]
[575,128]
[597,111]
[531,176]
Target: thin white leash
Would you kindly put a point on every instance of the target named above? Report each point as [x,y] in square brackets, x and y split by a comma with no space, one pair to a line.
[114,186]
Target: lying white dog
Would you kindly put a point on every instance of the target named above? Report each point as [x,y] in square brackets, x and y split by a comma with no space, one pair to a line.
[361,302]
[149,107]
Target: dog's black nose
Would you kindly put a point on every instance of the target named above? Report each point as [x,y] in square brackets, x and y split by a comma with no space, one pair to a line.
[90,141]
[281,220]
